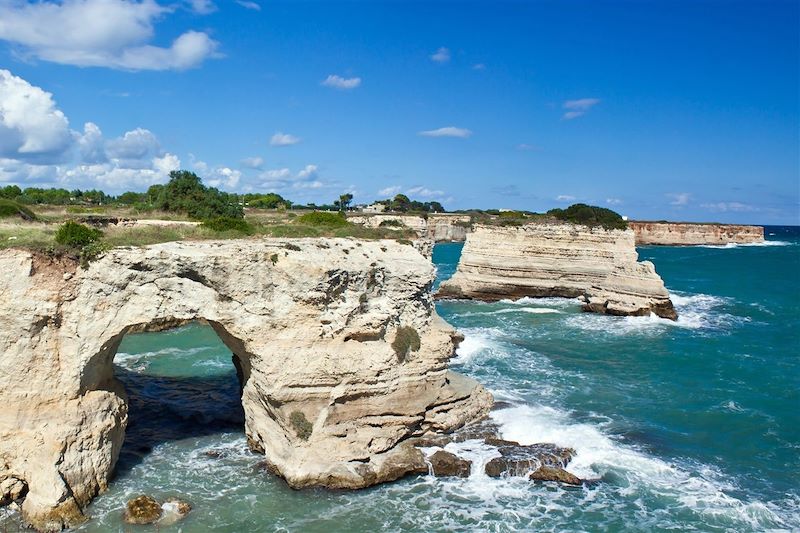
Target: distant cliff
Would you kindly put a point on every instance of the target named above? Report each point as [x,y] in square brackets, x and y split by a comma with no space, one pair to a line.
[686,234]
[559,259]
[436,227]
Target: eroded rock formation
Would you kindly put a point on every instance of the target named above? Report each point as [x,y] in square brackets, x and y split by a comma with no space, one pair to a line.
[553,259]
[686,234]
[435,227]
[329,396]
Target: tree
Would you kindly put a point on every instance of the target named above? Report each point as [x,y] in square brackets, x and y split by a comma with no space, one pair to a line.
[130,198]
[10,192]
[400,203]
[343,202]
[185,193]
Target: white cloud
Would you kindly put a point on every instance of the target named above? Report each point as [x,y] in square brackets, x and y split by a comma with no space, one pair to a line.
[224,177]
[442,55]
[390,191]
[102,33]
[309,172]
[37,146]
[276,174]
[565,198]
[679,198]
[424,192]
[478,66]
[203,7]
[283,179]
[249,5]
[31,127]
[613,201]
[577,108]
[338,82]
[283,139]
[252,162]
[448,131]
[524,147]
[730,206]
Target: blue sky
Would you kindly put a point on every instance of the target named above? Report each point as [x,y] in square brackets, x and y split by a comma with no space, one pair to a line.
[684,110]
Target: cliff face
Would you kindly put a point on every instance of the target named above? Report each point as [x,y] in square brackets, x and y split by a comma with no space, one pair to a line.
[683,234]
[310,322]
[438,228]
[559,260]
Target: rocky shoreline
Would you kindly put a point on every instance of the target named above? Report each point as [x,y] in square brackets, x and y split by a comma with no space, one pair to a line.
[689,234]
[597,265]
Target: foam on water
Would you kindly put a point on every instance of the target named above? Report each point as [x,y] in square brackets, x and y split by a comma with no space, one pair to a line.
[746,245]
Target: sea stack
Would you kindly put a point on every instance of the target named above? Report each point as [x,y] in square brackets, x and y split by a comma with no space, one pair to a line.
[542,259]
[341,355]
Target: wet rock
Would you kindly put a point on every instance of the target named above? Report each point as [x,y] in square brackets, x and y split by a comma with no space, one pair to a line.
[213,454]
[174,510]
[549,473]
[12,489]
[518,460]
[142,510]
[447,464]
[500,405]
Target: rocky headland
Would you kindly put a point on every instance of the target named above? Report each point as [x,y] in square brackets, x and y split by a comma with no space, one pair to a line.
[433,227]
[342,359]
[689,234]
[598,265]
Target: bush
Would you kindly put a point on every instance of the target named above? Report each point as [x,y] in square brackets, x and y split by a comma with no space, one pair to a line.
[10,208]
[185,193]
[228,224]
[302,427]
[405,340]
[322,218]
[391,223]
[77,235]
[590,215]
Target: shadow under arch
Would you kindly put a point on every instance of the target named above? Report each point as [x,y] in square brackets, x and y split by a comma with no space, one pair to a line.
[182,380]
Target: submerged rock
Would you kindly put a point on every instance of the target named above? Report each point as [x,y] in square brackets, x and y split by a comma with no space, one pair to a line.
[520,460]
[142,510]
[174,510]
[446,464]
[550,473]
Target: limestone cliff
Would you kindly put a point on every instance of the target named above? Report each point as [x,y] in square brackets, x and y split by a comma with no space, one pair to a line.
[566,260]
[686,234]
[434,227]
[311,324]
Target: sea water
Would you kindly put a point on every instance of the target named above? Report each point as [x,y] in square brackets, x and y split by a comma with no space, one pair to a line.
[687,425]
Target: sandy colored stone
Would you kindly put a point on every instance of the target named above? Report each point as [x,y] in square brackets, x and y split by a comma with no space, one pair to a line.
[440,227]
[310,330]
[685,234]
[559,259]
[142,510]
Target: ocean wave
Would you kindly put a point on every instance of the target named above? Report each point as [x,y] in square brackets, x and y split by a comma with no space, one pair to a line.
[558,303]
[477,342]
[746,245]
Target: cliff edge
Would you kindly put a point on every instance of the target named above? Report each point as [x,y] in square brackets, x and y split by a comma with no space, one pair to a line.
[557,259]
[341,356]
[687,234]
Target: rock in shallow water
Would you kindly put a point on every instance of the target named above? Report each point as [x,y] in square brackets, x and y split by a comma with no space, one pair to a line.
[447,464]
[174,510]
[519,460]
[549,473]
[142,510]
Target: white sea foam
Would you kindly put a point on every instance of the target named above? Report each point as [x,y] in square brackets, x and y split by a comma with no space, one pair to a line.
[745,245]
[559,303]
[477,342]
[701,489]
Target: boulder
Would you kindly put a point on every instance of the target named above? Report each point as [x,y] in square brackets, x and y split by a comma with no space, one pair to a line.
[520,460]
[550,473]
[142,510]
[446,464]
[174,510]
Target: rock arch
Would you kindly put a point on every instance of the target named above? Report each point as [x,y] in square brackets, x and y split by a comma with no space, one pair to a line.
[311,321]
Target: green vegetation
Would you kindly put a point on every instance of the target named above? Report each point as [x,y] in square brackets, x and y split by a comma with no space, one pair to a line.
[266,201]
[343,203]
[10,208]
[403,204]
[221,224]
[185,193]
[590,215]
[391,224]
[302,427]
[77,235]
[321,218]
[405,340]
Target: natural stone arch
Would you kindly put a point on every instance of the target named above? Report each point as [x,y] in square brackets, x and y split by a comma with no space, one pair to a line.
[310,320]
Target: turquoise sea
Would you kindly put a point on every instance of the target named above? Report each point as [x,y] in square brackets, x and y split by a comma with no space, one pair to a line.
[686,426]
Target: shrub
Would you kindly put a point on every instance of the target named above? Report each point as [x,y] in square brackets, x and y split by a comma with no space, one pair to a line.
[185,193]
[322,218]
[10,208]
[302,427]
[590,215]
[77,235]
[405,340]
[228,224]
[391,223]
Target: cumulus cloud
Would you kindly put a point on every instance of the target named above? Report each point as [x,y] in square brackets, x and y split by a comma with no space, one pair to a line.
[283,139]
[565,198]
[249,5]
[578,108]
[448,131]
[309,172]
[390,191]
[281,179]
[424,192]
[252,162]
[613,201]
[38,146]
[442,55]
[737,207]
[31,127]
[338,82]
[679,198]
[223,177]
[100,33]
[202,7]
